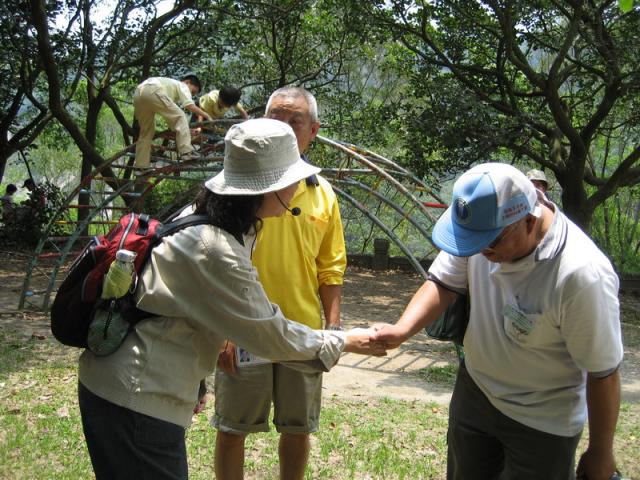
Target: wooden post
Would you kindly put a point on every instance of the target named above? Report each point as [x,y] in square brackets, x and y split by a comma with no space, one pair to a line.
[380,254]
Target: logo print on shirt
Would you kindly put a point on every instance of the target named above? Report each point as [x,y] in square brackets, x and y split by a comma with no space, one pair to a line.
[462,210]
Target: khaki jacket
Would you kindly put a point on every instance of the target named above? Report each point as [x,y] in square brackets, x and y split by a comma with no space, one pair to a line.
[202,284]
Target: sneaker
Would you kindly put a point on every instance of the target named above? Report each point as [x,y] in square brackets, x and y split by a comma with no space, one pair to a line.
[158,158]
[188,157]
[142,171]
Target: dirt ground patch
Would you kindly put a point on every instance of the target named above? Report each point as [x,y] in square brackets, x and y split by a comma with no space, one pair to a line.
[368,297]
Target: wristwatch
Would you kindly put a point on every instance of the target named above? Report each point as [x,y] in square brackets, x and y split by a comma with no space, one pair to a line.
[335,327]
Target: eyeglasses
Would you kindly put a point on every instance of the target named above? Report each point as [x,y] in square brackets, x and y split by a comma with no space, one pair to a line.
[504,234]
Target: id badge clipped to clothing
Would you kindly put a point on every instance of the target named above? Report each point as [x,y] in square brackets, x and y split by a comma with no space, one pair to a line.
[520,324]
[245,358]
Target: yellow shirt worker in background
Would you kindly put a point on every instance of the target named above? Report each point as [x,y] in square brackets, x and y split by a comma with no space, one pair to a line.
[301,258]
[217,102]
[315,252]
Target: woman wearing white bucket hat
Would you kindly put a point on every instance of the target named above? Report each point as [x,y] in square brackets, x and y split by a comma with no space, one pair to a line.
[137,402]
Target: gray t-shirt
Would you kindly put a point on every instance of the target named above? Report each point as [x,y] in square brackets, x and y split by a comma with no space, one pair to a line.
[538,325]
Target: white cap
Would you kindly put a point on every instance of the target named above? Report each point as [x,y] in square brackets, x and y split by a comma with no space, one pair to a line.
[486,199]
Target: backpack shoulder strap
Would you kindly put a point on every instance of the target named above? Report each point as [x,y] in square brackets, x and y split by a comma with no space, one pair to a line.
[143,224]
[184,222]
[188,221]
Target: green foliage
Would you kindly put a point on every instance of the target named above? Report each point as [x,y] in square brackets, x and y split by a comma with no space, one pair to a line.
[167,197]
[31,216]
[436,86]
[366,107]
[625,5]
[519,81]
[291,42]
[616,229]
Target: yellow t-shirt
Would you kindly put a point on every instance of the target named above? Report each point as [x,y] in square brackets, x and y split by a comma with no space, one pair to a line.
[294,255]
[209,103]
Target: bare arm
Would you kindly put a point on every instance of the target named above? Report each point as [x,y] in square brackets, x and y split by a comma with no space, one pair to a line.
[330,296]
[425,307]
[603,403]
[193,108]
[242,112]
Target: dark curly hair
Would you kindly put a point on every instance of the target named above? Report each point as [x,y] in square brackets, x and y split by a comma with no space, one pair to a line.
[237,214]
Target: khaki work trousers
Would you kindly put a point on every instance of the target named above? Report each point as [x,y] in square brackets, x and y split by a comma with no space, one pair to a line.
[147,101]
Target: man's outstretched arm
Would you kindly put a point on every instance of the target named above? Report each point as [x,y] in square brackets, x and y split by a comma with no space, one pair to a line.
[425,307]
[193,108]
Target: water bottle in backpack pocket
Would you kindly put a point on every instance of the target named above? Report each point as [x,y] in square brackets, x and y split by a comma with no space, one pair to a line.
[121,275]
[108,328]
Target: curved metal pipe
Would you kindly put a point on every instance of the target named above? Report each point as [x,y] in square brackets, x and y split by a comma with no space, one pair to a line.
[414,261]
[392,204]
[381,172]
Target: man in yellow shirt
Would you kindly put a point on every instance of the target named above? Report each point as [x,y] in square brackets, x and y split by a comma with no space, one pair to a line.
[165,97]
[309,277]
[217,102]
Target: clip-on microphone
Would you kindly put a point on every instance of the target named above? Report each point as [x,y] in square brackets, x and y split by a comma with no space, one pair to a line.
[295,211]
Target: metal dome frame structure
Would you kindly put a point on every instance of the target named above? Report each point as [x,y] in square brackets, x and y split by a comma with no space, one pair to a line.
[373,190]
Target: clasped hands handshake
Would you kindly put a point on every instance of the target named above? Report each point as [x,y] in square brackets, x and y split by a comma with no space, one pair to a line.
[375,340]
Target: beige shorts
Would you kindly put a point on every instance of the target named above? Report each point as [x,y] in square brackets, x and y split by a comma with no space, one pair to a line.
[243,401]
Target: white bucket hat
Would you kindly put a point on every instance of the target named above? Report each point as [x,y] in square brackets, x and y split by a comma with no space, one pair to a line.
[260,156]
[537,175]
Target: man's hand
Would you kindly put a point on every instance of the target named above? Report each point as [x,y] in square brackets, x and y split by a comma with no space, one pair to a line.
[227,358]
[594,466]
[202,402]
[198,111]
[389,335]
[202,397]
[359,341]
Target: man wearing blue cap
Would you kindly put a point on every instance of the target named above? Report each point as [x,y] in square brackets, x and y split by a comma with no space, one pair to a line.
[543,344]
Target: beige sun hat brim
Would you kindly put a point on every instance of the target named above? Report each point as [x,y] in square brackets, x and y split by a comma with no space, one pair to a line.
[537,175]
[260,156]
[227,183]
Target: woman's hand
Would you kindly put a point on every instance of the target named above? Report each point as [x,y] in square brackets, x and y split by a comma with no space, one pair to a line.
[359,341]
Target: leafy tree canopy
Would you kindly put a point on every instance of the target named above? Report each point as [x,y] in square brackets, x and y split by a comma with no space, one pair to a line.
[542,82]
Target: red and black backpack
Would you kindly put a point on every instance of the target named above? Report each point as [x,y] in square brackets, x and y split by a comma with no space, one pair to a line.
[78,296]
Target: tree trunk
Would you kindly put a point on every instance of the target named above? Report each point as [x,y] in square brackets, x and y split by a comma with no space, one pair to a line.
[91,133]
[5,153]
[575,202]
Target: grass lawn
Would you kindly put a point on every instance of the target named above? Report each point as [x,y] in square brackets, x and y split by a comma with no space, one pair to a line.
[41,436]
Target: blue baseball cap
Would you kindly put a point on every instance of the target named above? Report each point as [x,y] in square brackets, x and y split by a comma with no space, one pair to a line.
[486,199]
